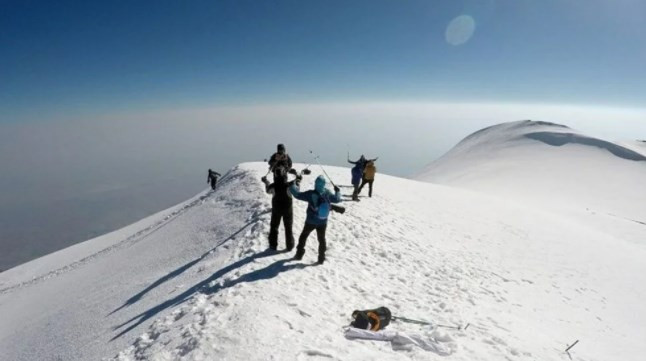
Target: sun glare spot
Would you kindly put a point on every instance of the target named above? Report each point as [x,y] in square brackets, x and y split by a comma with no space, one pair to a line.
[460,30]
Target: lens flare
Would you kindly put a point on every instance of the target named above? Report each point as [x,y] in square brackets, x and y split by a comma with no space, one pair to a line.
[460,30]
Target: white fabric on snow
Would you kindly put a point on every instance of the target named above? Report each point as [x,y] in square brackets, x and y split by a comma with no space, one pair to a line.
[399,340]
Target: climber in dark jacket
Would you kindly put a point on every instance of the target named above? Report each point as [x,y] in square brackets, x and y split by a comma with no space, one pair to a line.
[357,174]
[281,207]
[319,202]
[280,158]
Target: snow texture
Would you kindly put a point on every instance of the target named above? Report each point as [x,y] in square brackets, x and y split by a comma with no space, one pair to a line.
[196,282]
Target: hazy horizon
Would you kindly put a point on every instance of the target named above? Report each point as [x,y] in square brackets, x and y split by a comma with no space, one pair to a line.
[69,181]
[111,111]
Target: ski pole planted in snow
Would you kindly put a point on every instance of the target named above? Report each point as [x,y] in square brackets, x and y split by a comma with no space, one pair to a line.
[567,350]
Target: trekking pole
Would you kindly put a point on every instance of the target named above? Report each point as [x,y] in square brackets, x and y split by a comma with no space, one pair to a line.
[408,320]
[316,157]
[567,351]
[426,323]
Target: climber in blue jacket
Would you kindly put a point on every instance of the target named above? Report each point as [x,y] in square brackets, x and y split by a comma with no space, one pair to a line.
[319,202]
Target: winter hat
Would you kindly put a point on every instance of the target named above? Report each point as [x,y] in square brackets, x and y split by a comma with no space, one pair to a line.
[319,184]
[280,147]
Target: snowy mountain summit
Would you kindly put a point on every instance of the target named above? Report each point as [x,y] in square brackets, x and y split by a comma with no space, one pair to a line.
[547,164]
[510,258]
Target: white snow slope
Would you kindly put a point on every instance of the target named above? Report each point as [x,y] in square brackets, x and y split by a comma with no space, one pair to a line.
[195,282]
[553,167]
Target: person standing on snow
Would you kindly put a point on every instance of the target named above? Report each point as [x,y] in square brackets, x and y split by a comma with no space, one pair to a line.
[212,178]
[357,173]
[280,158]
[319,202]
[368,177]
[281,207]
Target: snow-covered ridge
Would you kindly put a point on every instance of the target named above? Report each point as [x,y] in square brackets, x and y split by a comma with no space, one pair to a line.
[545,132]
[548,164]
[526,281]
[200,284]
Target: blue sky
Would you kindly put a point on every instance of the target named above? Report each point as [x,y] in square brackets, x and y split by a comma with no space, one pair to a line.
[77,57]
[112,110]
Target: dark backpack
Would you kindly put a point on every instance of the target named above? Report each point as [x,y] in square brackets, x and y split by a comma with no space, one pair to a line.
[373,320]
[280,160]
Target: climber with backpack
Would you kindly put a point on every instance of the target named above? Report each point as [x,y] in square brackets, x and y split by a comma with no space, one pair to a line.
[357,174]
[280,158]
[362,161]
[368,177]
[319,202]
[281,206]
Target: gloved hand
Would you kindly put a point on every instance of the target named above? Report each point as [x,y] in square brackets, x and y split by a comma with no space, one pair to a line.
[337,189]
[263,179]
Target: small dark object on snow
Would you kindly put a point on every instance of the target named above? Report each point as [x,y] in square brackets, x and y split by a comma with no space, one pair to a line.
[567,350]
[373,320]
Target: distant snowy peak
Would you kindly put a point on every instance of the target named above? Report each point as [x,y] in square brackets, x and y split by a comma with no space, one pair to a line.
[548,163]
[517,127]
[505,134]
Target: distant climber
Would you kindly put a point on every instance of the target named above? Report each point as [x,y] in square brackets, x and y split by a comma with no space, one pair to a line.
[362,161]
[368,177]
[281,207]
[280,158]
[212,178]
[357,173]
[319,202]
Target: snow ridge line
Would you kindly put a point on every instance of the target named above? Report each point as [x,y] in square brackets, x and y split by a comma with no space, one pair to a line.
[134,238]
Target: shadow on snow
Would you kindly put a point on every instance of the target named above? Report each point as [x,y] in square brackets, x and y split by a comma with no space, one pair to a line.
[206,286]
[560,139]
[132,300]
